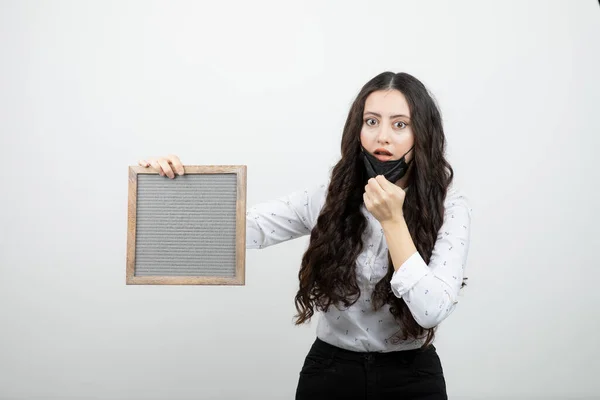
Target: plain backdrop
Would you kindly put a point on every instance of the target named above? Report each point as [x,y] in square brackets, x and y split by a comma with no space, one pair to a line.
[89,87]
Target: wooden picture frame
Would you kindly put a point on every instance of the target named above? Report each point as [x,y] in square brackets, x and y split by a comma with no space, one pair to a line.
[151,200]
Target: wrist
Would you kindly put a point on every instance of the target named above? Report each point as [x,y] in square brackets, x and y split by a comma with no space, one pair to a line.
[394,224]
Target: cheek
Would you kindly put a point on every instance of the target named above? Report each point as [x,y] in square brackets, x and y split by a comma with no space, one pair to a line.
[405,141]
[364,138]
[402,144]
[367,135]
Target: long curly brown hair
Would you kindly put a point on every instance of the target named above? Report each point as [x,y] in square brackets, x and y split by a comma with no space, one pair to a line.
[328,270]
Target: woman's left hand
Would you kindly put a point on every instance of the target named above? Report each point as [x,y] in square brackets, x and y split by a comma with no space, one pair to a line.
[384,199]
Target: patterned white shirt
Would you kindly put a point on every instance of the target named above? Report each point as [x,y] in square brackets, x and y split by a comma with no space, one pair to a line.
[429,290]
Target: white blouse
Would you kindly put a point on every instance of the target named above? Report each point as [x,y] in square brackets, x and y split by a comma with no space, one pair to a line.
[429,290]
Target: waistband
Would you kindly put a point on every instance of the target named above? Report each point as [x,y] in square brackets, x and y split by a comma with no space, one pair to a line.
[329,350]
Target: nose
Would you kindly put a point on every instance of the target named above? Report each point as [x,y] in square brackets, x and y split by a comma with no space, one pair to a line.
[383,136]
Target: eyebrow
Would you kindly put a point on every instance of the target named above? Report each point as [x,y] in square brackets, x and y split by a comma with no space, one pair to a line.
[391,116]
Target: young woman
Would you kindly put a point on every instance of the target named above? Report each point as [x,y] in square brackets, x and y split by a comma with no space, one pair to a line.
[389,239]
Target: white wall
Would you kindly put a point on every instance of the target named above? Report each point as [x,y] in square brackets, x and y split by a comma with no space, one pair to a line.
[88,88]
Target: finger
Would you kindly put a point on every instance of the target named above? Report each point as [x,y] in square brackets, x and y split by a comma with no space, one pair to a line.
[369,190]
[372,182]
[166,167]
[367,201]
[370,203]
[383,182]
[374,189]
[177,165]
[143,163]
[391,189]
[155,164]
[388,188]
[376,182]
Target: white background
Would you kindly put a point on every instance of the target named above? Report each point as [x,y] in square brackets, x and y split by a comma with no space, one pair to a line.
[88,88]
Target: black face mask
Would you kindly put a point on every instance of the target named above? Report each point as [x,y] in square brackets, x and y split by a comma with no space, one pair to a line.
[392,170]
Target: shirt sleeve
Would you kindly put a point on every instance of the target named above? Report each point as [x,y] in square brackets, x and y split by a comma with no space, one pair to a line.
[431,291]
[285,218]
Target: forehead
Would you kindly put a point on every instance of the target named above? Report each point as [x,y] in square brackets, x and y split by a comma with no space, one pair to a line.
[387,102]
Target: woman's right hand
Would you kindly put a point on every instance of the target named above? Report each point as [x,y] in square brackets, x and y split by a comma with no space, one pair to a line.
[165,166]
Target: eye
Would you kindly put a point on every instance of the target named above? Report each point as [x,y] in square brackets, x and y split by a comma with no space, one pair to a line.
[400,124]
[370,121]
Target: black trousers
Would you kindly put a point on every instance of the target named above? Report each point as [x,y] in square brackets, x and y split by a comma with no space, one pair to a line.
[333,373]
